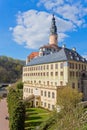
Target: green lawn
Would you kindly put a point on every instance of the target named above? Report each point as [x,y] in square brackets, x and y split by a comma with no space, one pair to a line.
[34,117]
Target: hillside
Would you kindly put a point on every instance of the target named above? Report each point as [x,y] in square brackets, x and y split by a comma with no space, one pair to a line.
[10,69]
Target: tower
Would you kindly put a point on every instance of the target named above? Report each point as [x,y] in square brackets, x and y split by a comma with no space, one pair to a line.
[53,32]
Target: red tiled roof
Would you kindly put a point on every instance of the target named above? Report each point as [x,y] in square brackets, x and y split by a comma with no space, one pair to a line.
[32,55]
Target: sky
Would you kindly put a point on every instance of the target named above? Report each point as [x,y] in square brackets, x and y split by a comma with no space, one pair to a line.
[25,25]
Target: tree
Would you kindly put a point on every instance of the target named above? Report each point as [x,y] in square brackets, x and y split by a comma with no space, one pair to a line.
[18,116]
[16,109]
[19,85]
[68,98]
[71,115]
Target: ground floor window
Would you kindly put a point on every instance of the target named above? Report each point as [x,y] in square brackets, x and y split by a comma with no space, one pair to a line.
[45,104]
[48,105]
[36,103]
[52,106]
[73,85]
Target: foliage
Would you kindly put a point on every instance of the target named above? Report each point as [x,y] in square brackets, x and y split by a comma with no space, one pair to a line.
[68,98]
[71,116]
[10,69]
[19,85]
[16,110]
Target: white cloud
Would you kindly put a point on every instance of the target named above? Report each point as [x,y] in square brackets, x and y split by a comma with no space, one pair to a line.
[71,10]
[33,28]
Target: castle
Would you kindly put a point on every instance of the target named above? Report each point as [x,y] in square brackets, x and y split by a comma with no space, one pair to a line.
[52,68]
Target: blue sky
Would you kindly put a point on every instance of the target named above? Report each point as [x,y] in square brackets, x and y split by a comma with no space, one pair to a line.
[25,25]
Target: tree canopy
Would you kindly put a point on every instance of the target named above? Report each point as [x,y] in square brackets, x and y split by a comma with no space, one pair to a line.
[72,115]
[10,69]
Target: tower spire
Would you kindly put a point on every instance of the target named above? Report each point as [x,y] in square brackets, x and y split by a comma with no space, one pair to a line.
[53,29]
[53,32]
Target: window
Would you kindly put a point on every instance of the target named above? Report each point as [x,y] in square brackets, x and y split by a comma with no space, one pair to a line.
[55,83]
[41,103]
[79,67]
[36,103]
[47,82]
[51,66]
[61,73]
[53,95]
[61,83]
[41,74]
[44,83]
[56,66]
[78,85]
[73,73]
[61,65]
[41,67]
[47,67]
[51,83]
[45,104]
[76,66]
[39,82]
[44,67]
[52,106]
[44,74]
[41,93]
[31,90]
[73,85]
[48,105]
[47,73]
[56,73]
[28,69]
[77,74]
[48,94]
[45,93]
[70,73]
[82,67]
[71,65]
[51,73]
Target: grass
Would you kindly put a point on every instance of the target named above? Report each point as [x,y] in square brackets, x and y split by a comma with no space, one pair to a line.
[34,117]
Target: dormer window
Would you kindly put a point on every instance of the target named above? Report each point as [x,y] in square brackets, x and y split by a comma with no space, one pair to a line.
[75,54]
[78,58]
[40,49]
[71,57]
[44,49]
[70,53]
[83,59]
